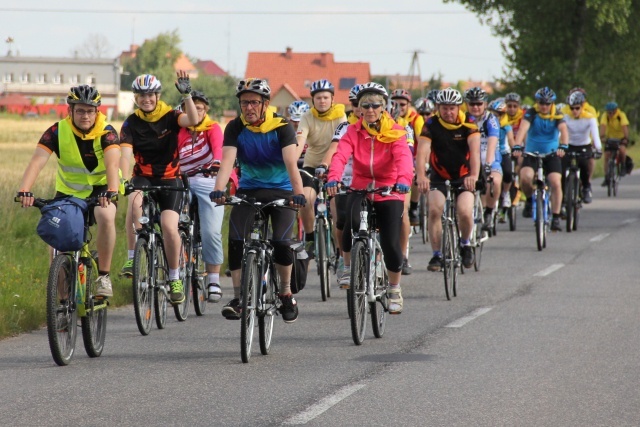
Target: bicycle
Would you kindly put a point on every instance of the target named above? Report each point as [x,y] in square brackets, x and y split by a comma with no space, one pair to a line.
[614,167]
[514,194]
[573,188]
[478,236]
[423,212]
[190,224]
[71,291]
[260,282]
[541,205]
[451,259]
[369,279]
[150,267]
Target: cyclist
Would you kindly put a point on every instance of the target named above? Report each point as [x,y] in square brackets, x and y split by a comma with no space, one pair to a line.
[264,145]
[200,146]
[380,156]
[515,111]
[566,109]
[490,157]
[541,126]
[296,109]
[614,126]
[316,131]
[582,126]
[406,115]
[426,108]
[451,141]
[151,135]
[88,151]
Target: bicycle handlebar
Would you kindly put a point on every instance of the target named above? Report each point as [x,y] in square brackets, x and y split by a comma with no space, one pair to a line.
[39,202]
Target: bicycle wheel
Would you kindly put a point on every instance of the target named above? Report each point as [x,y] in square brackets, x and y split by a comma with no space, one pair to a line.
[267,314]
[457,259]
[378,308]
[578,203]
[322,258]
[250,284]
[198,280]
[423,210]
[61,310]
[182,310]
[570,201]
[611,175]
[448,259]
[142,286]
[161,296]
[513,210]
[540,226]
[357,294]
[333,258]
[94,323]
[478,249]
[616,179]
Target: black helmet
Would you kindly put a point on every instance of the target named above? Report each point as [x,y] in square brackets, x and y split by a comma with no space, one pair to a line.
[84,94]
[199,96]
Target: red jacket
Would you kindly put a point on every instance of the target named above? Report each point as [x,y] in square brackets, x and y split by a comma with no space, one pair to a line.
[373,161]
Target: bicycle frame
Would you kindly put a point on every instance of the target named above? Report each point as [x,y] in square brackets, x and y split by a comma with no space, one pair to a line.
[541,186]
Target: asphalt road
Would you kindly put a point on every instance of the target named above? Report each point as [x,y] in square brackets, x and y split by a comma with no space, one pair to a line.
[545,338]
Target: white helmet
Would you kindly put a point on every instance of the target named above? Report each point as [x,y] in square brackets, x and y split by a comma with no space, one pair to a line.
[296,109]
[372,87]
[146,83]
[449,96]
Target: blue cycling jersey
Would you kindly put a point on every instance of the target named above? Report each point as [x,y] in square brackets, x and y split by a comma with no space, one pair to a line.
[543,133]
[489,127]
[503,145]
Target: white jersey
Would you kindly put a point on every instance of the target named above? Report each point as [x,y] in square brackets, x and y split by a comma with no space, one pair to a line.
[582,131]
[347,175]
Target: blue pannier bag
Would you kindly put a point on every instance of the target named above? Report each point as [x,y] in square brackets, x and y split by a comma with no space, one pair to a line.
[62,223]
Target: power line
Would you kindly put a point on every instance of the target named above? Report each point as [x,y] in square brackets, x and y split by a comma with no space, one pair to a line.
[225,12]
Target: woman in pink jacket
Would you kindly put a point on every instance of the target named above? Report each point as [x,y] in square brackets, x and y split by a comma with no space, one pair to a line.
[381,157]
[200,146]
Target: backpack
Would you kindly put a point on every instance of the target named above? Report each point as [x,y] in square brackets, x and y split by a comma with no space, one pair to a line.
[62,223]
[628,164]
[299,268]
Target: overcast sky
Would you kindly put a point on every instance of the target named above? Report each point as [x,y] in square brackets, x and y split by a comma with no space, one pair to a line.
[451,39]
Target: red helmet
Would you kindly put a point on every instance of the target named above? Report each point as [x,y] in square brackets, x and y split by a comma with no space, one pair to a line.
[401,93]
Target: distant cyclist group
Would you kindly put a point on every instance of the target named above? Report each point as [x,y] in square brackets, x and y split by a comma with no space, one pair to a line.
[382,156]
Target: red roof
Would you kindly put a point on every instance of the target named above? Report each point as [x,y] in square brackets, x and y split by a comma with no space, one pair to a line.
[210,68]
[299,70]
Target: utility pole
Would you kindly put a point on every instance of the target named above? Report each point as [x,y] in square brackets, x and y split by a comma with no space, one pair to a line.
[414,72]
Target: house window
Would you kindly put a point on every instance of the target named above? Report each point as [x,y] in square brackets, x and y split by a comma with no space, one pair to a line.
[91,80]
[57,79]
[7,78]
[347,83]
[25,77]
[74,79]
[41,78]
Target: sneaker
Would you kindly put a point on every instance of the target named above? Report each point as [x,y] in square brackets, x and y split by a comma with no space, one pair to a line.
[214,293]
[232,310]
[406,268]
[506,202]
[527,212]
[468,257]
[104,286]
[127,268]
[413,217]
[345,279]
[435,264]
[310,248]
[176,291]
[487,222]
[605,183]
[394,297]
[555,224]
[289,308]
[587,196]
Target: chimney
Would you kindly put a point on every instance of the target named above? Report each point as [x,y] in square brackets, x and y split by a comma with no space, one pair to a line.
[323,59]
[288,53]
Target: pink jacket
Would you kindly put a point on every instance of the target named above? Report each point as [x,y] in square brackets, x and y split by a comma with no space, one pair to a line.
[373,161]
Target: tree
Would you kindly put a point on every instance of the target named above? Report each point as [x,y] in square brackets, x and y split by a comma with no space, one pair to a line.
[220,91]
[94,46]
[564,44]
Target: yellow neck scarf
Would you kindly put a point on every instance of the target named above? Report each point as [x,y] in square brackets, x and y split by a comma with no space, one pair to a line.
[204,125]
[96,131]
[504,120]
[461,122]
[352,118]
[335,112]
[552,114]
[386,133]
[268,124]
[514,119]
[161,109]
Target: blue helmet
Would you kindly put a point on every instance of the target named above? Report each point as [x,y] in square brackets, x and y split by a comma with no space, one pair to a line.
[545,95]
[353,93]
[498,105]
[296,109]
[611,106]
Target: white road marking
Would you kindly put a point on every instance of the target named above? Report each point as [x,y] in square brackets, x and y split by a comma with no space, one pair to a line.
[629,221]
[468,318]
[547,271]
[314,410]
[599,237]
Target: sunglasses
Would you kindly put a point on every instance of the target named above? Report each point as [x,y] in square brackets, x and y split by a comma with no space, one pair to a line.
[576,108]
[366,106]
[402,104]
[476,104]
[543,103]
